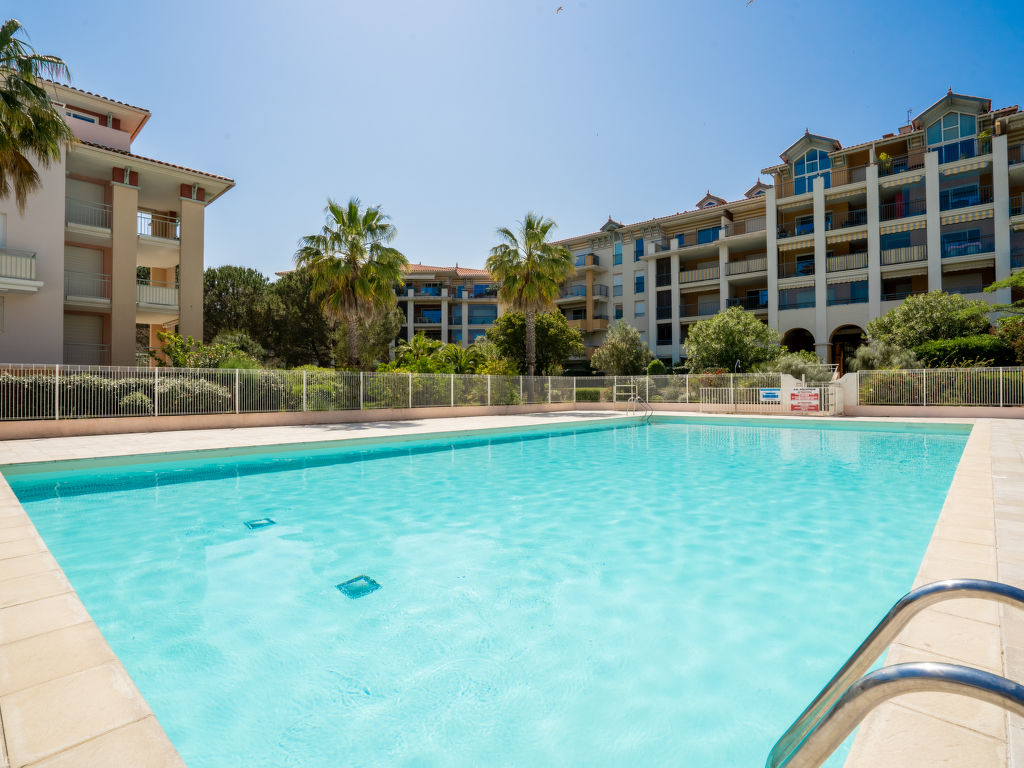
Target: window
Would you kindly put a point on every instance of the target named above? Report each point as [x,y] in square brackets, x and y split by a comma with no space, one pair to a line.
[664,333]
[952,136]
[618,310]
[638,249]
[617,256]
[959,197]
[796,298]
[815,163]
[964,243]
[895,240]
[617,285]
[805,225]
[74,113]
[638,281]
[482,314]
[483,290]
[680,240]
[805,264]
[848,293]
[639,309]
[643,336]
[708,235]
[455,315]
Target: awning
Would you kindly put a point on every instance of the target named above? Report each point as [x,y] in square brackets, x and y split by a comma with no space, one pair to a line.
[802,283]
[794,244]
[902,226]
[844,194]
[863,276]
[899,182]
[1017,226]
[956,218]
[845,237]
[967,165]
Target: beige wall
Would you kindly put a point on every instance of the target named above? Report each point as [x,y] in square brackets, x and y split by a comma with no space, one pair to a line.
[124,235]
[190,290]
[33,327]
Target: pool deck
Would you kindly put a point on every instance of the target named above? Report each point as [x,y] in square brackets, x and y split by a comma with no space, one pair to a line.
[66,700]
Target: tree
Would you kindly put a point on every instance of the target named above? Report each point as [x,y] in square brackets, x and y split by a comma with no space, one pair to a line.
[1011,331]
[31,126]
[298,332]
[235,299]
[460,360]
[656,368]
[354,268]
[531,270]
[185,352]
[1015,280]
[929,316]
[880,355]
[734,340]
[555,340]
[375,336]
[623,353]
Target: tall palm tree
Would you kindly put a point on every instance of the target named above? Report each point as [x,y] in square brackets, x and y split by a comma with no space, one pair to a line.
[354,269]
[31,127]
[530,270]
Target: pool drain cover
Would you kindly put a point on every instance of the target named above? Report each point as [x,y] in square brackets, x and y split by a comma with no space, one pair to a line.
[360,586]
[255,525]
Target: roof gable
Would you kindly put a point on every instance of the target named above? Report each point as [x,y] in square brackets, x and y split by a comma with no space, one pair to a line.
[974,105]
[809,141]
[709,200]
[759,188]
[611,225]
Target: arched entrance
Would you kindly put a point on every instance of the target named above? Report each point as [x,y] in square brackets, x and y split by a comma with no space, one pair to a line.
[798,340]
[843,344]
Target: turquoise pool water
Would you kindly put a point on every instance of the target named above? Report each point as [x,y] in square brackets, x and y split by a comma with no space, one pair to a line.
[670,594]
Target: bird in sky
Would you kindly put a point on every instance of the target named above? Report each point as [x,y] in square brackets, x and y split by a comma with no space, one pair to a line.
[559,10]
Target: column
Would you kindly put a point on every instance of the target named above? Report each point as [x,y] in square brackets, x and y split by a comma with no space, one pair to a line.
[409,332]
[874,245]
[465,323]
[588,301]
[677,351]
[650,296]
[124,259]
[1001,213]
[444,315]
[771,223]
[723,283]
[190,278]
[931,192]
[820,284]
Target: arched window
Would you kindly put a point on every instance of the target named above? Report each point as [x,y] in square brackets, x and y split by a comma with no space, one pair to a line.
[815,163]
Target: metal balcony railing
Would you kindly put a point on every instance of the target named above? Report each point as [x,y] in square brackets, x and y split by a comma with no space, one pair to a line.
[702,309]
[796,303]
[86,354]
[857,218]
[745,266]
[901,209]
[964,197]
[158,225]
[601,290]
[890,166]
[975,245]
[795,229]
[747,302]
[574,291]
[1015,154]
[1016,258]
[1017,205]
[796,269]
[747,226]
[846,261]
[898,295]
[905,255]
[664,313]
[661,280]
[86,213]
[838,301]
[852,175]
[156,293]
[964,149]
[17,264]
[86,285]
[587,259]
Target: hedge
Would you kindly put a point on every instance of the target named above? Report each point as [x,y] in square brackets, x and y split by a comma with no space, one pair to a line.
[966,351]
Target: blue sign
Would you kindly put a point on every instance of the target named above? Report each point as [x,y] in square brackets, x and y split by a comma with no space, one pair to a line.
[771,395]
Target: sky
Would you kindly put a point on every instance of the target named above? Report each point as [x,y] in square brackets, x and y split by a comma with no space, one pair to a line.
[459,116]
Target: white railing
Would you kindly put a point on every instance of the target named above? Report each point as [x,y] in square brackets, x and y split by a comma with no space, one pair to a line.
[156,293]
[994,387]
[20,265]
[87,391]
[86,213]
[86,354]
[158,225]
[803,401]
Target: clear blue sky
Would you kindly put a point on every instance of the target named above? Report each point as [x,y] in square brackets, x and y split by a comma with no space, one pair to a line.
[457,116]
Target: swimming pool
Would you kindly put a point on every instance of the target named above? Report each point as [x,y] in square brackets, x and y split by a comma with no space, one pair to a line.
[621,595]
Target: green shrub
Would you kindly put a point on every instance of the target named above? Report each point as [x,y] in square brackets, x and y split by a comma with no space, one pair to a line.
[179,396]
[137,404]
[980,350]
[656,368]
[588,395]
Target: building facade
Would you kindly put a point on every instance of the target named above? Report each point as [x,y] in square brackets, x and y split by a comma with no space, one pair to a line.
[455,305]
[112,241]
[840,237]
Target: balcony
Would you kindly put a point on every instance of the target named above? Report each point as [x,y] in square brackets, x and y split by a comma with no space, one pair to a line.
[964,149]
[796,269]
[86,354]
[846,219]
[599,323]
[853,175]
[691,239]
[663,313]
[86,214]
[101,134]
[601,290]
[747,226]
[796,303]
[1015,154]
[899,295]
[971,247]
[698,275]
[481,319]
[427,319]
[890,166]
[701,309]
[753,303]
[18,271]
[663,280]
[92,287]
[845,262]
[156,293]
[746,266]
[1017,205]
[158,225]
[964,197]
[906,255]
[795,229]
[574,292]
[1016,258]
[901,209]
[587,260]
[426,290]
[840,301]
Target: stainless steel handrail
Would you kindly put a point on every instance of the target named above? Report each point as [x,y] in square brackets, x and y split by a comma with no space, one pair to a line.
[880,638]
[887,683]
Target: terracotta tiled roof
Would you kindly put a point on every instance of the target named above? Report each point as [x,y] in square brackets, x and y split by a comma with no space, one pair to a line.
[95,95]
[459,271]
[126,153]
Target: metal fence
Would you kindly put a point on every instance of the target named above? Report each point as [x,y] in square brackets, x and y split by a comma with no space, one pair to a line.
[87,391]
[996,387]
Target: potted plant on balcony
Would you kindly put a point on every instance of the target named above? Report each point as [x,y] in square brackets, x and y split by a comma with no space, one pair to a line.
[985,142]
[884,163]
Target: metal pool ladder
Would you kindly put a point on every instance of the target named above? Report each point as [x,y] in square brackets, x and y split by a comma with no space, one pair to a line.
[636,404]
[851,695]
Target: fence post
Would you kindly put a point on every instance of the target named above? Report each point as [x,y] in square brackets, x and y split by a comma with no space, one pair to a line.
[56,393]
[452,375]
[686,386]
[361,398]
[1000,387]
[156,392]
[303,391]
[237,404]
[521,391]
[410,389]
[615,389]
[924,387]
[574,389]
[488,389]
[647,392]
[549,390]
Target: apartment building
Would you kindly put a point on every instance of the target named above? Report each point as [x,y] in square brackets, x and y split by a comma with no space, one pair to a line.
[455,305]
[112,241]
[841,236]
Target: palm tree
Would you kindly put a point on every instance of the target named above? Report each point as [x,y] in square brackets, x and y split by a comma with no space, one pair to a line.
[461,360]
[530,270]
[31,127]
[421,347]
[354,270]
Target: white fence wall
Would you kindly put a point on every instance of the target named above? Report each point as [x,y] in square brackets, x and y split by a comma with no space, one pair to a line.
[992,387]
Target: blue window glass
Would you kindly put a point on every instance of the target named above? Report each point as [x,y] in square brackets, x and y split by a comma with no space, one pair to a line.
[456,336]
[638,284]
[482,290]
[458,291]
[617,257]
[935,133]
[482,314]
[708,235]
[638,249]
[680,241]
[618,311]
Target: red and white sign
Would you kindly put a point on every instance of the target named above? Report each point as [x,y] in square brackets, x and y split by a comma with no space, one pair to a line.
[804,400]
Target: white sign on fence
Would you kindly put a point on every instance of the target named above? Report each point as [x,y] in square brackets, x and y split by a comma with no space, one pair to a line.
[804,399]
[770,394]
